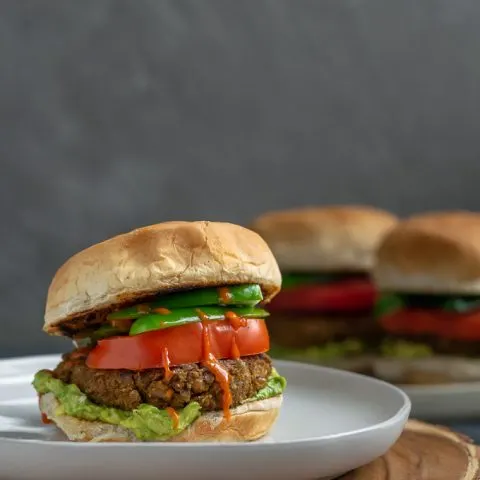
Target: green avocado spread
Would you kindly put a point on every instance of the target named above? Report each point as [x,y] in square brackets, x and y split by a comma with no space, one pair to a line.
[397,348]
[147,422]
[319,353]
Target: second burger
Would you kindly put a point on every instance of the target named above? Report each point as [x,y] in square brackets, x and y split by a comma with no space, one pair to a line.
[324,312]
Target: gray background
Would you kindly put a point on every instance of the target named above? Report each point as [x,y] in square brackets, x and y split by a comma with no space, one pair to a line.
[116,114]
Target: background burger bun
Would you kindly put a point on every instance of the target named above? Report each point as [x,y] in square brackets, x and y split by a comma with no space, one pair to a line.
[249,421]
[159,259]
[334,238]
[431,253]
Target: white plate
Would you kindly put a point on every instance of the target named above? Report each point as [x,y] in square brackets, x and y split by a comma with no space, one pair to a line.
[331,422]
[451,401]
[454,401]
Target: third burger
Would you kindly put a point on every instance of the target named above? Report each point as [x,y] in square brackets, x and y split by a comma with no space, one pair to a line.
[428,274]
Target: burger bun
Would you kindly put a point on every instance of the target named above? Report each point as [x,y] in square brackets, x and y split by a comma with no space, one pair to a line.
[248,422]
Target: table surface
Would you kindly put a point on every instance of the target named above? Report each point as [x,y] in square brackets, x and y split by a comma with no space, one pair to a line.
[471,428]
[424,451]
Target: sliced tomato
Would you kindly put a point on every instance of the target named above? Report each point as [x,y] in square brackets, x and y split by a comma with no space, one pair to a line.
[454,326]
[344,296]
[184,344]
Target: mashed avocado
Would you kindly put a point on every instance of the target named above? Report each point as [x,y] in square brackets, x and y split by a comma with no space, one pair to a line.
[147,422]
[318,354]
[404,349]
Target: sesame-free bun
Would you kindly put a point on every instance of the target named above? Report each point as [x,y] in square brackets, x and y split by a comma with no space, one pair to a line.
[335,238]
[431,253]
[248,422]
[159,259]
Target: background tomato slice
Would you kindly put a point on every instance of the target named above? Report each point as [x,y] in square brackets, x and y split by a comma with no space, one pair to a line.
[454,326]
[184,345]
[344,296]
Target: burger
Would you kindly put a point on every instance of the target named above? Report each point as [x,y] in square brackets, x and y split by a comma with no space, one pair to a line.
[428,273]
[170,335]
[324,311]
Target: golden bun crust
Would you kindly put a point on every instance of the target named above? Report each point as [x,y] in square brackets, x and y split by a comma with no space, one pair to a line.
[159,259]
[250,421]
[431,253]
[335,238]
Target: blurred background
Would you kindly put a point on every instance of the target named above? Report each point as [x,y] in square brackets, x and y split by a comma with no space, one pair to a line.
[116,114]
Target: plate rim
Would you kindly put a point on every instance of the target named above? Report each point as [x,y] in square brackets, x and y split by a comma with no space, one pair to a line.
[449,388]
[403,411]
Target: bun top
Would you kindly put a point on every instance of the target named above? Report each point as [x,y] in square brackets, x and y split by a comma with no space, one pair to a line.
[158,259]
[336,238]
[431,253]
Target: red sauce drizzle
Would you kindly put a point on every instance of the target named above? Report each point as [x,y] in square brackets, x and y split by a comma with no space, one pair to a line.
[166,364]
[162,310]
[174,416]
[224,295]
[209,361]
[235,352]
[44,418]
[235,321]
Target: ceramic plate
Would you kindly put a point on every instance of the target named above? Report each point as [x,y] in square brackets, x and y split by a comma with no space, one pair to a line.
[451,401]
[331,422]
[454,401]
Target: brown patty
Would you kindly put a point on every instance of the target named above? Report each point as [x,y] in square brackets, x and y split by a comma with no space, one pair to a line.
[126,390]
[301,330]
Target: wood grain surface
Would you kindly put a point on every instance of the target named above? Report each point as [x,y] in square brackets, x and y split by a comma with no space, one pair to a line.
[424,452]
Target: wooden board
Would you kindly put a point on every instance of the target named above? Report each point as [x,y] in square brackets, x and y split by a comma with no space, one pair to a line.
[424,452]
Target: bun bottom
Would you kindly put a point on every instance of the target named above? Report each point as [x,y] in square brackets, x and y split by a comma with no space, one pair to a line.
[249,421]
[427,371]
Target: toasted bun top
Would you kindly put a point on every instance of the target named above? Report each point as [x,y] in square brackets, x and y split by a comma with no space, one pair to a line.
[431,253]
[336,238]
[158,259]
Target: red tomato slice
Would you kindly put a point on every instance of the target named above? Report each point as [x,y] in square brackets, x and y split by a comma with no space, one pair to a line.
[455,326]
[346,296]
[184,345]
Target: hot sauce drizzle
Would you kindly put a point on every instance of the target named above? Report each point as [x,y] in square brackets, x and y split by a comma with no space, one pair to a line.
[162,310]
[224,295]
[236,322]
[174,416]
[44,418]
[235,352]
[166,364]
[209,361]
